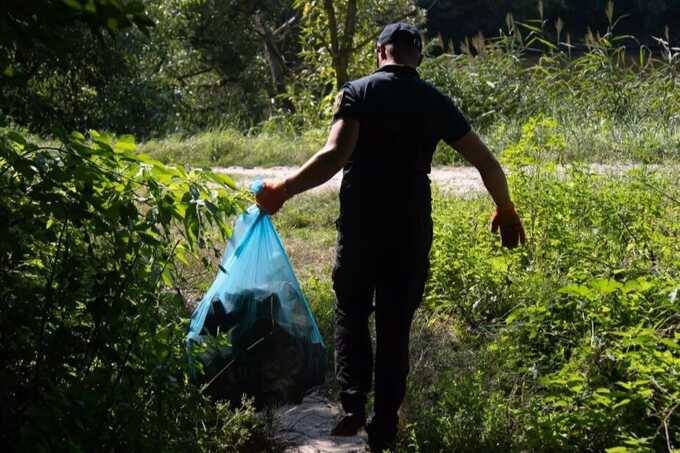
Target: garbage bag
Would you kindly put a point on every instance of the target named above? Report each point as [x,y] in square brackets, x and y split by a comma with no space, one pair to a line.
[274,351]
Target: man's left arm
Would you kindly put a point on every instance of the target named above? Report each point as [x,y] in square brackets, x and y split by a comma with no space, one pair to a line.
[473,149]
[317,170]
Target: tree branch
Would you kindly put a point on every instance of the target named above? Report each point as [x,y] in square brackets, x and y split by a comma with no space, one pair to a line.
[286,25]
[374,37]
[194,74]
[333,26]
[350,26]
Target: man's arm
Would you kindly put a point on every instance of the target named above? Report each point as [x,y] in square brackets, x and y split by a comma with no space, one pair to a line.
[471,147]
[328,160]
[318,169]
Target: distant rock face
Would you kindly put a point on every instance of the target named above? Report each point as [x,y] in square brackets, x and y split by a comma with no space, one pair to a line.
[306,428]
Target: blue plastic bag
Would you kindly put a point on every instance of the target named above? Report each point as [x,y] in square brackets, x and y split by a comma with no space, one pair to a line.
[275,352]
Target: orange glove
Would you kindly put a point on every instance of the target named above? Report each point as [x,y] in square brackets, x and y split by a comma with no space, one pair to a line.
[272,196]
[508,221]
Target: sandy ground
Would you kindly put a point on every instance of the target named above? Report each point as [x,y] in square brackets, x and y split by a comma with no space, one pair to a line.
[456,180]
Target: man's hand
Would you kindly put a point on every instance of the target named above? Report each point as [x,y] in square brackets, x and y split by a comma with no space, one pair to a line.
[272,196]
[507,220]
[318,169]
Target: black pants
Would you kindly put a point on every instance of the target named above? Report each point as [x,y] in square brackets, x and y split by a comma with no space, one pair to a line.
[386,275]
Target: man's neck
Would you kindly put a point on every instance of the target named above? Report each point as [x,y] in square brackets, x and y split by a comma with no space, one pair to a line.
[394,63]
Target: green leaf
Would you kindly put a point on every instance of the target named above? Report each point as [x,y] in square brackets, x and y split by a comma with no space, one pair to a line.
[16,137]
[149,160]
[167,277]
[163,174]
[605,285]
[499,264]
[112,23]
[222,179]
[577,290]
[125,143]
[91,7]
[77,136]
[74,4]
[621,403]
[513,316]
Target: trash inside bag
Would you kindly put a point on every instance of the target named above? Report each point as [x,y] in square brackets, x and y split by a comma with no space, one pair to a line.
[253,332]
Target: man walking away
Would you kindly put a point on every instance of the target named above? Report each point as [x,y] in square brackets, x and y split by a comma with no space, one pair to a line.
[385,130]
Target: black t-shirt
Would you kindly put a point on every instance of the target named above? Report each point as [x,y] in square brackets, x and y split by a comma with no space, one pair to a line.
[402,118]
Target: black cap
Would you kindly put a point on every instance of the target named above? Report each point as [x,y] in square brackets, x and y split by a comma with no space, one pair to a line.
[402,32]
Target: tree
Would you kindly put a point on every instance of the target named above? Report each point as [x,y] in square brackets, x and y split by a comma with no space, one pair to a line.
[334,25]
[74,65]
[226,59]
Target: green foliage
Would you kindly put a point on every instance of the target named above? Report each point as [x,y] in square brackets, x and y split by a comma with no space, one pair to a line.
[92,330]
[455,20]
[211,55]
[606,101]
[539,140]
[78,64]
[313,91]
[61,65]
[600,106]
[614,379]
[569,343]
[33,32]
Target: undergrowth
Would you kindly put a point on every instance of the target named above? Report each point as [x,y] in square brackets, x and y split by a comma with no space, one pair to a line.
[92,330]
[567,344]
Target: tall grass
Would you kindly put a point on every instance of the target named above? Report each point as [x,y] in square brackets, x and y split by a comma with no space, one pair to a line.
[611,102]
[225,147]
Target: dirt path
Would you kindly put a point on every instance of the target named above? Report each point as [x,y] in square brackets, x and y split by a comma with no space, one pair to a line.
[305,428]
[457,180]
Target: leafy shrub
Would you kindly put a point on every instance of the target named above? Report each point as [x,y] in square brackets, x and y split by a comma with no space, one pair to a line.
[569,343]
[92,330]
[606,358]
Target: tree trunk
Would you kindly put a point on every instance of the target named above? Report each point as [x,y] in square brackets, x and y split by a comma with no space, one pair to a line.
[341,46]
[277,66]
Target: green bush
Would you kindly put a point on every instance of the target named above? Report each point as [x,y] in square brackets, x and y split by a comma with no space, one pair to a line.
[92,326]
[569,343]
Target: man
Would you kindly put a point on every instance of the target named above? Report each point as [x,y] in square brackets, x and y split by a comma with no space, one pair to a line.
[385,130]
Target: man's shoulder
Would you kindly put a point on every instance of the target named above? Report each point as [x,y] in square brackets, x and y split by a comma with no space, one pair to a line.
[362,82]
[430,88]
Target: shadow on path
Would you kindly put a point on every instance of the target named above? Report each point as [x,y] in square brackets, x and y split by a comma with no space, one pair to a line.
[305,428]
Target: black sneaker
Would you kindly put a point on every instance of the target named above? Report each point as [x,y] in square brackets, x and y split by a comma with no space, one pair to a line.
[349,425]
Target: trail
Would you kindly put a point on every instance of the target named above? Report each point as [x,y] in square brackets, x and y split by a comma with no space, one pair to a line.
[459,180]
[305,428]
[455,180]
